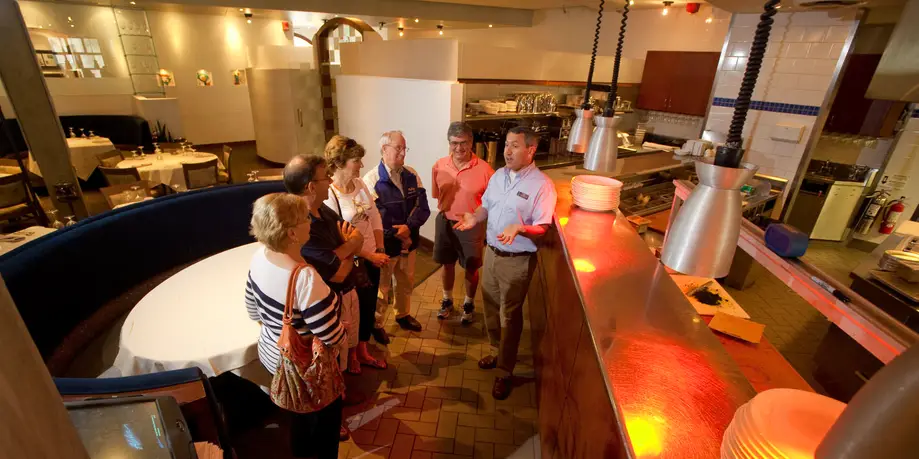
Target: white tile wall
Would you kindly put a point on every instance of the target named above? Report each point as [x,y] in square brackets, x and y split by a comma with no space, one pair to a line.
[803,52]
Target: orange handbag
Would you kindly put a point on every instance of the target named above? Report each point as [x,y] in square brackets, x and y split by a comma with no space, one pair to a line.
[308,378]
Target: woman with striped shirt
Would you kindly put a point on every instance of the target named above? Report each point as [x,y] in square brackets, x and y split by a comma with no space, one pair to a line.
[281,222]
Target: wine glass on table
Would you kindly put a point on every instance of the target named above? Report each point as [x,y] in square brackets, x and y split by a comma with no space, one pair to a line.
[71,220]
[140,148]
[72,134]
[53,222]
[82,133]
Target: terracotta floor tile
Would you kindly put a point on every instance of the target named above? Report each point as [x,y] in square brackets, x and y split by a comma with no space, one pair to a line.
[494,436]
[386,434]
[446,426]
[421,454]
[427,429]
[363,436]
[484,450]
[415,397]
[402,447]
[403,414]
[451,393]
[431,410]
[368,452]
[464,440]
[505,451]
[458,406]
[434,444]
[476,420]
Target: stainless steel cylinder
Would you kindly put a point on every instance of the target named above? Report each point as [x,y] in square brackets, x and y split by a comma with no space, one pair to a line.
[604,145]
[581,130]
[703,237]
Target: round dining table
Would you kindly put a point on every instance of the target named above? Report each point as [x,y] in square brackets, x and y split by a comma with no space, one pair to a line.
[83,151]
[196,318]
[166,168]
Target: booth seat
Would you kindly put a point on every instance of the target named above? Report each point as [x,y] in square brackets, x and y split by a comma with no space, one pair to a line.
[125,130]
[64,279]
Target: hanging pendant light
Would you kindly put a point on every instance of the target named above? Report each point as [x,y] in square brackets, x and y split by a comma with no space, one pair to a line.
[703,237]
[604,145]
[583,126]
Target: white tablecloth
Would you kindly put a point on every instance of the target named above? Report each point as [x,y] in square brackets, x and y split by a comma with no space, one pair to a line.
[11,241]
[196,318]
[168,170]
[83,153]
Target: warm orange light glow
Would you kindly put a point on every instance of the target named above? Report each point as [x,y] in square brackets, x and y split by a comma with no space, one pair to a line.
[646,433]
[665,11]
[563,221]
[708,20]
[584,266]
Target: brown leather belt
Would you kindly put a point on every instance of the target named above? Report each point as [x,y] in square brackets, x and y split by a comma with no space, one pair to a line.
[502,253]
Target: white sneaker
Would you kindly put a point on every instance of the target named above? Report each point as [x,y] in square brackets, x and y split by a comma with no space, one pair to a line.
[468,318]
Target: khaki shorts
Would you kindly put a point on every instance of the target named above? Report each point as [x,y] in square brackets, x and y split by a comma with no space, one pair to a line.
[452,245]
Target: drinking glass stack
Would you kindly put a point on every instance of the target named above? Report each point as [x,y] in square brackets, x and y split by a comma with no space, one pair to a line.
[596,193]
[781,424]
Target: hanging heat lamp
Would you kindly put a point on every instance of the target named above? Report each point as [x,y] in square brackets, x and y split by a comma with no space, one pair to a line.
[703,237]
[583,126]
[604,145]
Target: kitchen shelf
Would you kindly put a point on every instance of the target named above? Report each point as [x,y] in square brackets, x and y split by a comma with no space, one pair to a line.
[618,112]
[509,116]
[581,84]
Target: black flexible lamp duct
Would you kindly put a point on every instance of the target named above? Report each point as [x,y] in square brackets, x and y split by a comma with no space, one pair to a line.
[583,126]
[703,237]
[604,144]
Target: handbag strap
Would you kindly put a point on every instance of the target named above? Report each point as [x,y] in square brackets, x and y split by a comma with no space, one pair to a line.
[291,294]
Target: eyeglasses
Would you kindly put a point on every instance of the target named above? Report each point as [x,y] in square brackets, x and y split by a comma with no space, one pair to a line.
[455,145]
[399,149]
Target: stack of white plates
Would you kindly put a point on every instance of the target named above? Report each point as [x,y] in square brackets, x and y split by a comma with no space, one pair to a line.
[594,192]
[780,423]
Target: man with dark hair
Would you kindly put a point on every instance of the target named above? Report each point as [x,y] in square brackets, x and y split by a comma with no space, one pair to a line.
[518,205]
[457,183]
[332,246]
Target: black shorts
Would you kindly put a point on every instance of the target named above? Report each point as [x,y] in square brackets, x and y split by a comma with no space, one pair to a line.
[452,245]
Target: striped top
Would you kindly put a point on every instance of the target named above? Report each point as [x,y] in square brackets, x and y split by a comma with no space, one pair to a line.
[316,310]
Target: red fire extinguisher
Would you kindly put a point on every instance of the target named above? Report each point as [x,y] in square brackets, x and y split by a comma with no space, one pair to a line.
[892,215]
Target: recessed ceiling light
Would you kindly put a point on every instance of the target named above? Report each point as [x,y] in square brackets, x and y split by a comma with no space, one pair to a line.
[708,20]
[489,26]
[631,2]
[416,19]
[133,3]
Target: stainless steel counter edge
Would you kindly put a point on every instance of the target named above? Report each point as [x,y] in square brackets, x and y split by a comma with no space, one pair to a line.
[672,384]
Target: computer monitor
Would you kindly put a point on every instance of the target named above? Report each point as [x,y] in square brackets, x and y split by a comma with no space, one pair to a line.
[138,427]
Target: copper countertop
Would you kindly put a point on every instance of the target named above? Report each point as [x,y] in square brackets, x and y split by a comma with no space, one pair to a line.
[673,384]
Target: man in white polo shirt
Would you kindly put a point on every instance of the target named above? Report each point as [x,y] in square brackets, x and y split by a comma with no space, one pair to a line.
[518,205]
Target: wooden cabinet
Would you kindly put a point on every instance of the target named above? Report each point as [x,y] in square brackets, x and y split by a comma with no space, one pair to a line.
[678,81]
[851,112]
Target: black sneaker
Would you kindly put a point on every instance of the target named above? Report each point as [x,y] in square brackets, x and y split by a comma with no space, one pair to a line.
[380,335]
[446,308]
[468,316]
[409,323]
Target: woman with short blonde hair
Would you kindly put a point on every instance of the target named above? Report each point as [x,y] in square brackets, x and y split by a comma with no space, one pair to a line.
[350,198]
[281,223]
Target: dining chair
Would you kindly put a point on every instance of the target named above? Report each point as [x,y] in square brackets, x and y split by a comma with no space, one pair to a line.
[119,176]
[226,164]
[190,387]
[14,199]
[268,174]
[200,175]
[110,158]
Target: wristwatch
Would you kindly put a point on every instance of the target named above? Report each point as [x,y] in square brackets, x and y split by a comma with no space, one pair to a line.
[380,250]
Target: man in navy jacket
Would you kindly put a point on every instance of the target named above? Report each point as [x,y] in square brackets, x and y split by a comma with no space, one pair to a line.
[403,206]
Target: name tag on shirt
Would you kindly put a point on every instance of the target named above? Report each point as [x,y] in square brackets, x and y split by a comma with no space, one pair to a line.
[523,195]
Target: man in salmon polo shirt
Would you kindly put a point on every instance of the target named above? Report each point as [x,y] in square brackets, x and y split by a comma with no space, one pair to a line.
[458,182]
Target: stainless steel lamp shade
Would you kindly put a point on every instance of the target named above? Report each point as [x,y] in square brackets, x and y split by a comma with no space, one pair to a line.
[703,237]
[604,145]
[581,130]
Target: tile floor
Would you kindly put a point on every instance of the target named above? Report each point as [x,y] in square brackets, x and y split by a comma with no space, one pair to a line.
[793,326]
[433,402]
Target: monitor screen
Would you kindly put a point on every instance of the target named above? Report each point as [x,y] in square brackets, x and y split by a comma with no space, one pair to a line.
[125,430]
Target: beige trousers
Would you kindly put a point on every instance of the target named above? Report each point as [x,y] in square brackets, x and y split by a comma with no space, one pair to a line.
[398,275]
[505,281]
[351,320]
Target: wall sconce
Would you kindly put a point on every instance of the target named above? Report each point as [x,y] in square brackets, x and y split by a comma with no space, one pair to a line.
[440,29]
[401,31]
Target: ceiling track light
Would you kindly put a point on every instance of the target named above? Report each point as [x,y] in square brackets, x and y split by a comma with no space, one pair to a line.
[666,9]
[416,20]
[401,31]
[440,29]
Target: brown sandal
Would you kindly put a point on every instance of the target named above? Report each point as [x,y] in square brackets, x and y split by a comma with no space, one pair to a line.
[488,362]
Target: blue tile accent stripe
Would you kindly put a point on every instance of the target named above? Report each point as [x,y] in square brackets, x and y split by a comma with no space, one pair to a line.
[777,107]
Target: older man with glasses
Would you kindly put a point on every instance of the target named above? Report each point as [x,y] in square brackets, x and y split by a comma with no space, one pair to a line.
[457,183]
[403,205]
